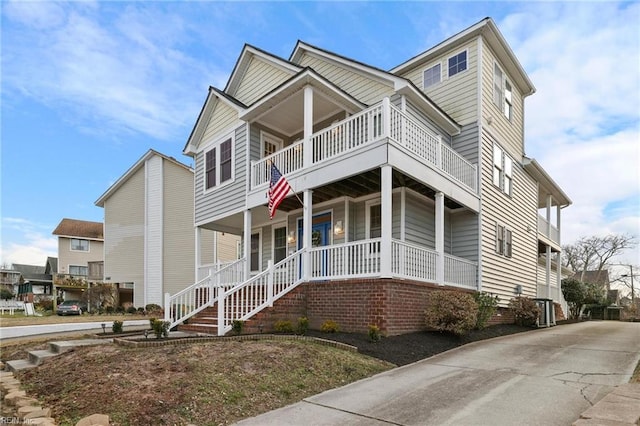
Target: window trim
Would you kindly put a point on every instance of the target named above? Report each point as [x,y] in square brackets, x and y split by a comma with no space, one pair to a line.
[266,136]
[78,266]
[504,175]
[80,239]
[257,232]
[274,227]
[368,206]
[424,85]
[504,240]
[466,63]
[500,92]
[217,147]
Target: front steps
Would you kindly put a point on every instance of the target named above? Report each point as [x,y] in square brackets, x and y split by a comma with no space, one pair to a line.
[36,358]
[205,322]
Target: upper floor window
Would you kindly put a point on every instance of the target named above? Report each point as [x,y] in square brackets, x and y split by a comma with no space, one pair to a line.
[504,244]
[79,245]
[502,170]
[502,92]
[219,164]
[457,63]
[432,76]
[78,270]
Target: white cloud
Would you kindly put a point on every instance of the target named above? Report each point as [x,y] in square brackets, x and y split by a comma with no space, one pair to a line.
[29,243]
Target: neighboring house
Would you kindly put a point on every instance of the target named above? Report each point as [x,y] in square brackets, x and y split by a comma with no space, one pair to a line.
[406,181]
[34,283]
[9,276]
[149,232]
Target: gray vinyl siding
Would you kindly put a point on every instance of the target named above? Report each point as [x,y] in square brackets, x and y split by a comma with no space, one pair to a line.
[467,144]
[179,239]
[124,235]
[464,235]
[420,221]
[420,117]
[358,85]
[457,95]
[500,274]
[228,198]
[509,132]
[259,79]
[222,118]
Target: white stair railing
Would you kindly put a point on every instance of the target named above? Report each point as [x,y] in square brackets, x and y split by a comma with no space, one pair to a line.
[241,302]
[203,293]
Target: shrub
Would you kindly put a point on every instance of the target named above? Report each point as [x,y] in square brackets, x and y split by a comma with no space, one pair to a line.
[160,328]
[131,310]
[5,293]
[374,333]
[303,325]
[451,311]
[329,326]
[109,310]
[44,305]
[487,305]
[119,309]
[117,326]
[152,308]
[525,311]
[283,326]
[237,326]
[141,311]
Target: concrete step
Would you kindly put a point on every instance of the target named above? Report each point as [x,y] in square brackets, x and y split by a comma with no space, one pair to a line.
[19,364]
[67,345]
[38,357]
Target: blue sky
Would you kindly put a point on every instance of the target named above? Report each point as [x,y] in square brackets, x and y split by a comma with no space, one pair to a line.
[88,87]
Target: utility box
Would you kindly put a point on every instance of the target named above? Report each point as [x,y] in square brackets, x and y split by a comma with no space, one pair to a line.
[547,316]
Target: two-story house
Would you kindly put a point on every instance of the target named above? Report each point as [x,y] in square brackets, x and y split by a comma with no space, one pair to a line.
[403,182]
[149,237]
[80,243]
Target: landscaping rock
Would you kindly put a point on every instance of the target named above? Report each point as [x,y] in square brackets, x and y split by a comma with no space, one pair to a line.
[11,397]
[94,420]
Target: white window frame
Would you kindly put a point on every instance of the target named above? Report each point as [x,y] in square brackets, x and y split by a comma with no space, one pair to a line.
[217,147]
[367,214]
[502,166]
[424,80]
[268,137]
[78,266]
[504,240]
[466,63]
[259,233]
[502,92]
[71,240]
[282,225]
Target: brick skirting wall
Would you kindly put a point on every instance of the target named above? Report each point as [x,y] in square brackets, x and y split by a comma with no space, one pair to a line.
[395,306]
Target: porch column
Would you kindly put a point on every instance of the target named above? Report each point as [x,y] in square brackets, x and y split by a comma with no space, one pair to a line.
[247,244]
[440,237]
[307,148]
[559,260]
[198,242]
[387,222]
[306,232]
[548,272]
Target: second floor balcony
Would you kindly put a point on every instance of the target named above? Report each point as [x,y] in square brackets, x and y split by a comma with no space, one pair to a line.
[381,122]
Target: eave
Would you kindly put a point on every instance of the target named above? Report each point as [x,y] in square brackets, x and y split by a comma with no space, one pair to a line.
[535,170]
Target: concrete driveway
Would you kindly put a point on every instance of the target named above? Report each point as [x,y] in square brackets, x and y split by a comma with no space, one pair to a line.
[543,377]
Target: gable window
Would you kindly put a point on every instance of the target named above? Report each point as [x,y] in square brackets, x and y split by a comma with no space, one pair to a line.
[502,92]
[79,245]
[457,63]
[219,164]
[502,170]
[78,270]
[503,241]
[431,76]
[279,244]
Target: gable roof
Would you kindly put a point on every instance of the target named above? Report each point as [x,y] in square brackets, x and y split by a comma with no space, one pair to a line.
[488,29]
[74,228]
[132,170]
[593,277]
[535,170]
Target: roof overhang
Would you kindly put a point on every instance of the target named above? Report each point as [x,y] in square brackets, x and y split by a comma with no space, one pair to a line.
[535,170]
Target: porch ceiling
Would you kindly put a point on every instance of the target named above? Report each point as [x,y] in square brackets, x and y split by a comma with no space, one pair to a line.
[361,185]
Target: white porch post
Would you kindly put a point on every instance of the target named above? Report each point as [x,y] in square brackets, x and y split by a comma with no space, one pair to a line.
[308,127]
[198,242]
[306,232]
[247,244]
[548,249]
[559,260]
[387,222]
[440,237]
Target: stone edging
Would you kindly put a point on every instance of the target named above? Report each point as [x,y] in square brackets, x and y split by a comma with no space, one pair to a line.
[186,340]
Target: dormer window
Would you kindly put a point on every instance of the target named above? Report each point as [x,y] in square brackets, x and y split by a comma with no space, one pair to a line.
[457,63]
[432,76]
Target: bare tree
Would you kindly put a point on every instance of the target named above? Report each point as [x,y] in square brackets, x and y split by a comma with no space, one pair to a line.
[595,253]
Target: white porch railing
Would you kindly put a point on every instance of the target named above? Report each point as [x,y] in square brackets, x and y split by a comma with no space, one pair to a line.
[460,272]
[367,127]
[340,261]
[413,262]
[548,230]
[193,299]
[242,301]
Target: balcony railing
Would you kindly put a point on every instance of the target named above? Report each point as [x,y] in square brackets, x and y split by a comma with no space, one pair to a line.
[380,121]
[548,230]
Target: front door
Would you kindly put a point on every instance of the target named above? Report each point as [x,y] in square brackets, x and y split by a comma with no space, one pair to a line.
[320,235]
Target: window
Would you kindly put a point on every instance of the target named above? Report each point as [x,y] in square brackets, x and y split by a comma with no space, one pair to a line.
[431,76]
[79,245]
[279,244]
[375,221]
[255,252]
[503,241]
[219,164]
[502,170]
[502,92]
[78,270]
[457,63]
[270,144]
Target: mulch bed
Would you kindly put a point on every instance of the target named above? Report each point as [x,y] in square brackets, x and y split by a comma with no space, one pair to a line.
[412,347]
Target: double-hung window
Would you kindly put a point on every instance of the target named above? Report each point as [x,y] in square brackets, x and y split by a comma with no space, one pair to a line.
[255,252]
[502,170]
[457,63]
[219,164]
[78,270]
[504,243]
[279,244]
[79,245]
[431,76]
[502,92]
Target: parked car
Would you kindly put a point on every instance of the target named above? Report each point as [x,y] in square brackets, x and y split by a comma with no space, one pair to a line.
[71,307]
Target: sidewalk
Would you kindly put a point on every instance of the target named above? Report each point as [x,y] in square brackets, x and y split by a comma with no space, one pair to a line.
[44,329]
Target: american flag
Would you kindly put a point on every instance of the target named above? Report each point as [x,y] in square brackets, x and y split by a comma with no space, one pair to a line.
[278,189]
